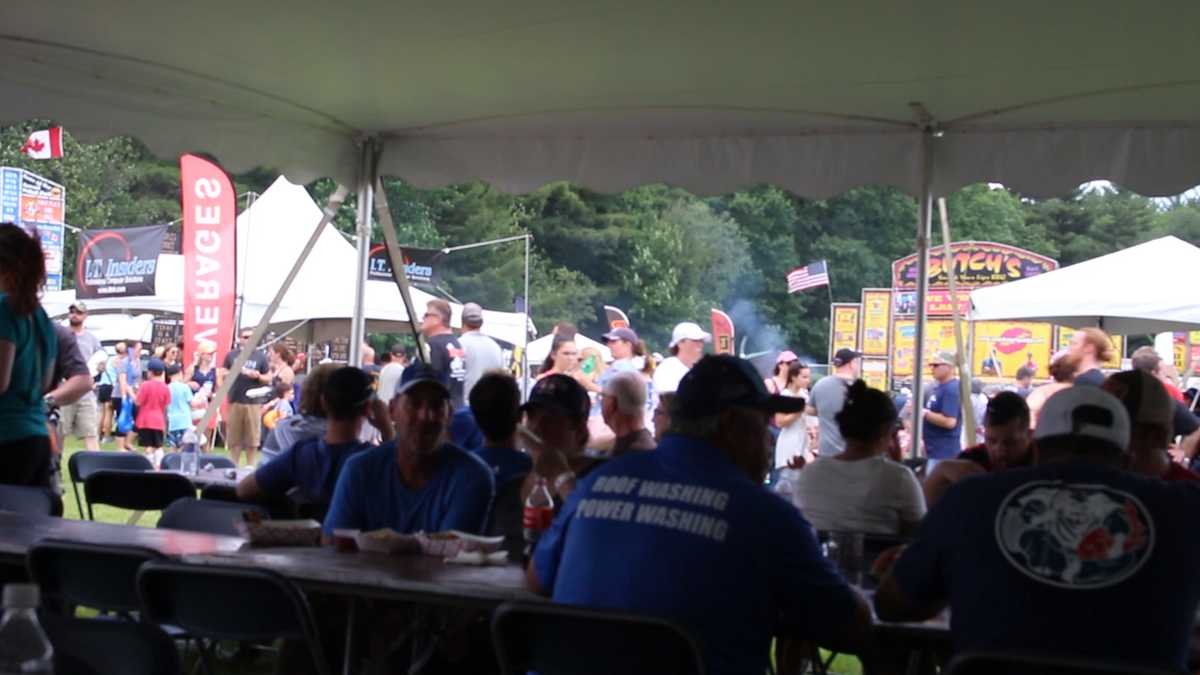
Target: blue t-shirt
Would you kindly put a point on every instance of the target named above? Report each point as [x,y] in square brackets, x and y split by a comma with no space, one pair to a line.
[1067,557]
[464,431]
[22,412]
[942,443]
[311,465]
[179,410]
[506,464]
[370,494]
[670,533]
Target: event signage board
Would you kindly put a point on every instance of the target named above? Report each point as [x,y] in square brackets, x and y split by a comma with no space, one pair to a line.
[118,262]
[1000,348]
[421,265]
[976,264]
[39,205]
[10,195]
[875,373]
[939,337]
[209,256]
[876,321]
[722,332]
[937,303]
[1118,341]
[844,317]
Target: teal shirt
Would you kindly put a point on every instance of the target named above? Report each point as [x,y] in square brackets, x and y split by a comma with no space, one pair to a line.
[179,412]
[22,413]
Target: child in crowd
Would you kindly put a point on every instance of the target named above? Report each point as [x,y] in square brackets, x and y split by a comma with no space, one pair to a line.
[153,398]
[179,413]
[279,407]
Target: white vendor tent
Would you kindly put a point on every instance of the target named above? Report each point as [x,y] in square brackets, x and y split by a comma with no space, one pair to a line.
[1142,289]
[539,349]
[110,328]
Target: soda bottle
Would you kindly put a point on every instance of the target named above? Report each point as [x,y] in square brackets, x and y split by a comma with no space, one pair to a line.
[24,647]
[537,516]
[189,453]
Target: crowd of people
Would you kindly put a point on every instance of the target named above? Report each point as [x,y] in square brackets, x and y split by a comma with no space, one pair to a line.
[693,488]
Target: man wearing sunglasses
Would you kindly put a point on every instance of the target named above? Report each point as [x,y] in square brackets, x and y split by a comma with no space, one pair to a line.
[243,429]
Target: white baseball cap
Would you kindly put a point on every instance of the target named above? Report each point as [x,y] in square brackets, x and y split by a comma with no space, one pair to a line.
[1085,411]
[689,331]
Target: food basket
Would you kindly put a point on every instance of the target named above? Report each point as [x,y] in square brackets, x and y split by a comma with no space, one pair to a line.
[280,532]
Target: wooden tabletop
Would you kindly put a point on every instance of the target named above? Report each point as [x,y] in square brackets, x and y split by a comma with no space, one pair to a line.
[406,578]
[18,532]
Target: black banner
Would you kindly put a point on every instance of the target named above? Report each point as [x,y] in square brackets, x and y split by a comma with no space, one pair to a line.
[118,263]
[421,265]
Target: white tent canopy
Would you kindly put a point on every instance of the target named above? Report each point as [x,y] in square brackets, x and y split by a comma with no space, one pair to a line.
[539,349]
[1142,289]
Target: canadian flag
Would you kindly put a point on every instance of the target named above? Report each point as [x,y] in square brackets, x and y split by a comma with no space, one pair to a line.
[44,144]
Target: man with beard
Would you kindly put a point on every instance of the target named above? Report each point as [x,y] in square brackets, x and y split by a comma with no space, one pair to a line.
[80,419]
[416,482]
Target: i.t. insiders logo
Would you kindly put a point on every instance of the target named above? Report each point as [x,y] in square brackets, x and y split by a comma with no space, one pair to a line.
[108,258]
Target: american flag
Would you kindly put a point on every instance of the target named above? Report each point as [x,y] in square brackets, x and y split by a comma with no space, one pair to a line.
[809,276]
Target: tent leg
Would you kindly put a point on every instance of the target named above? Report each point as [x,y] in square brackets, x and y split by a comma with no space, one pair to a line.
[384,213]
[924,227]
[366,198]
[525,333]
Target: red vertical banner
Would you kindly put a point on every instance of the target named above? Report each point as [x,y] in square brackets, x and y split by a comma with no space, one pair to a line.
[722,332]
[209,256]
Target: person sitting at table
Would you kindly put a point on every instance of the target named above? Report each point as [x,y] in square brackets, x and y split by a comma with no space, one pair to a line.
[1053,558]
[312,466]
[495,401]
[556,417]
[689,533]
[1151,413]
[310,423]
[860,489]
[417,482]
[1007,443]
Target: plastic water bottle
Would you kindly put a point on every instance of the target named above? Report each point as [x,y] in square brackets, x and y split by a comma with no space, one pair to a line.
[189,453]
[537,516]
[24,647]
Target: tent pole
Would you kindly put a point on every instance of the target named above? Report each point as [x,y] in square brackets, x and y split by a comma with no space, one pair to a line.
[525,331]
[924,227]
[384,213]
[365,197]
[964,364]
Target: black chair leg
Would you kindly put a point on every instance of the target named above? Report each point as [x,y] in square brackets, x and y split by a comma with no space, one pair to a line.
[78,504]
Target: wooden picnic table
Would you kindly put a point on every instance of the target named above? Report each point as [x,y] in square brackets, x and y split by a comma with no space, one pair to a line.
[18,532]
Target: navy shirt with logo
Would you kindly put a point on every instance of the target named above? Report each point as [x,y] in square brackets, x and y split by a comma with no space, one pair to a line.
[1067,557]
[940,442]
[681,533]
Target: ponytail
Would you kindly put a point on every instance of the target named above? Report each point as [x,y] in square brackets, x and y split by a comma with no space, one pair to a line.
[22,268]
[867,414]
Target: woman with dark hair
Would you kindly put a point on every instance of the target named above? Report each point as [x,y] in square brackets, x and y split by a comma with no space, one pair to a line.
[563,358]
[792,441]
[281,359]
[860,489]
[27,350]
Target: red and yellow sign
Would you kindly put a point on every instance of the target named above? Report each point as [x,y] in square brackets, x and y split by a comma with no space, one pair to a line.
[937,303]
[1118,343]
[1000,348]
[876,307]
[875,373]
[976,264]
[939,337]
[845,327]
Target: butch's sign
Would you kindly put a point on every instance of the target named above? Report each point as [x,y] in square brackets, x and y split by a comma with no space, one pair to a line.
[976,264]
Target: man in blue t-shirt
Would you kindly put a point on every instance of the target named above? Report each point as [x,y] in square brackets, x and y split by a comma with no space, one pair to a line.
[496,403]
[943,411]
[312,465]
[1064,557]
[417,482]
[689,533]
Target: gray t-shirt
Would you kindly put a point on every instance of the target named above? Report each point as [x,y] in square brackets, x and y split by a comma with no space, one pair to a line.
[828,396]
[482,355]
[88,345]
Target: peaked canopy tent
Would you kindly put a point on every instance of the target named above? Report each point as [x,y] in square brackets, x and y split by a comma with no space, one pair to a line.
[710,97]
[540,348]
[1142,289]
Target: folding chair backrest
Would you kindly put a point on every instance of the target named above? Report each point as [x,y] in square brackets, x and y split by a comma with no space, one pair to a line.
[1029,663]
[27,500]
[560,640]
[86,462]
[506,517]
[202,515]
[171,461]
[92,575]
[136,490]
[228,603]
[101,647]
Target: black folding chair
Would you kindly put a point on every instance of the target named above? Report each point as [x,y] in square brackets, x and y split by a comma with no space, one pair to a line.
[135,490]
[506,518]
[561,640]
[1032,663]
[84,463]
[91,575]
[27,500]
[100,647]
[229,603]
[172,461]
[202,515]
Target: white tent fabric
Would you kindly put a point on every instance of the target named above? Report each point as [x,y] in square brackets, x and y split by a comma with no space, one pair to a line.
[708,96]
[1142,289]
[271,234]
[110,328]
[539,349]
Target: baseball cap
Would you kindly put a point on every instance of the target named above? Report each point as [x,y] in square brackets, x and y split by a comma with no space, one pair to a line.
[787,356]
[688,331]
[472,313]
[626,334]
[347,389]
[78,306]
[1084,411]
[156,366]
[721,381]
[844,356]
[947,358]
[1144,397]
[416,374]
[398,349]
[562,394]
[173,369]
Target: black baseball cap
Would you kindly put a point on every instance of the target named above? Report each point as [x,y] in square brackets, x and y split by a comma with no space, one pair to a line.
[420,373]
[560,393]
[347,389]
[626,334]
[721,381]
[844,356]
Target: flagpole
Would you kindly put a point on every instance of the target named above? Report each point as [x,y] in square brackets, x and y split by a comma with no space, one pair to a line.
[828,282]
